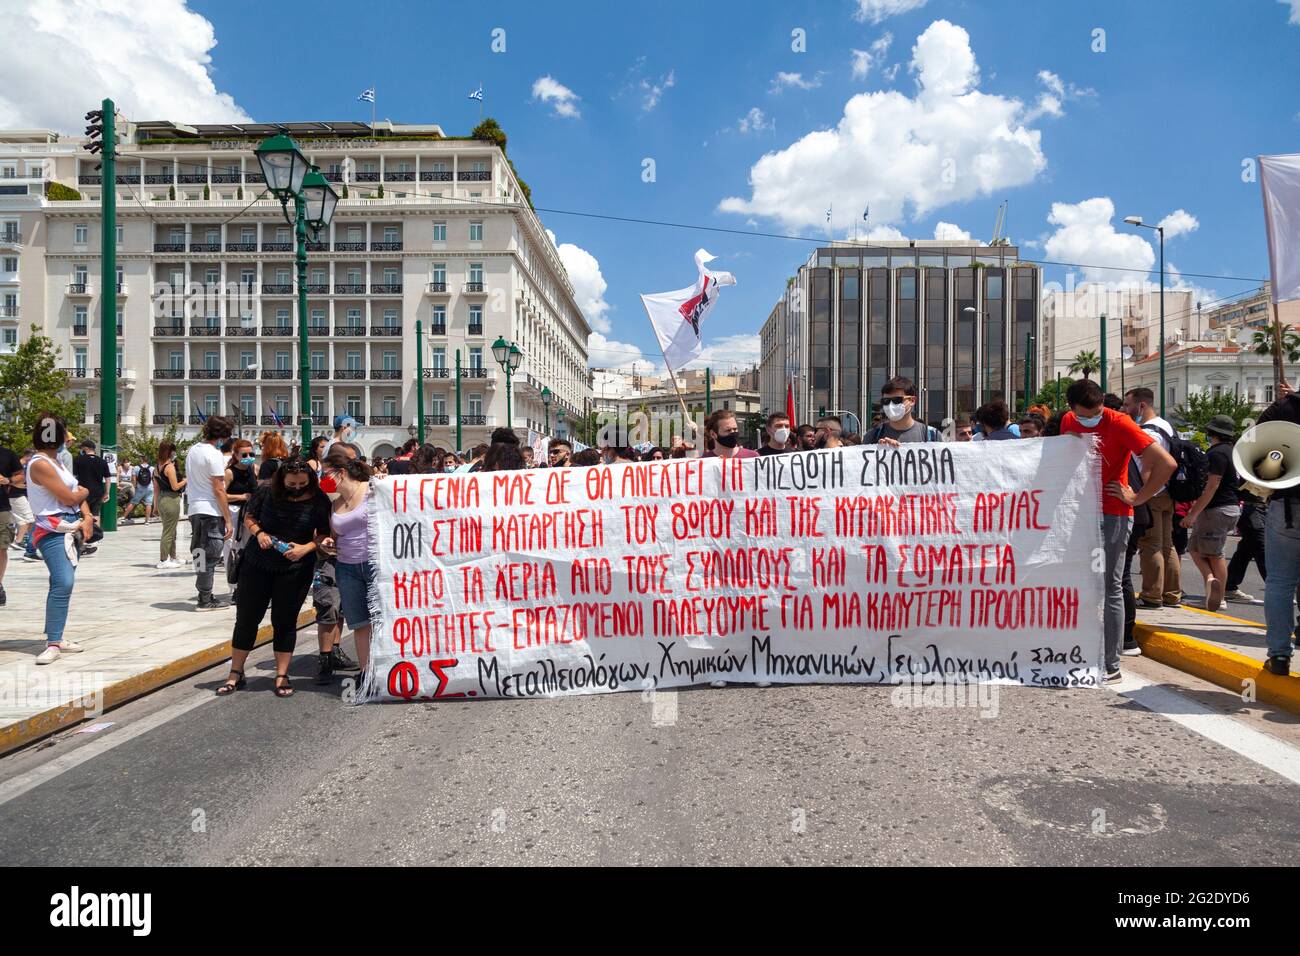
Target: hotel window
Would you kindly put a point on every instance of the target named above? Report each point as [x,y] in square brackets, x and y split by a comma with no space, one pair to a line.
[476,357]
[354,318]
[247,277]
[79,360]
[392,277]
[354,405]
[11,264]
[212,361]
[213,237]
[317,276]
[317,317]
[282,318]
[120,235]
[248,235]
[247,406]
[390,318]
[440,273]
[439,232]
[390,233]
[10,336]
[80,232]
[79,315]
[476,272]
[389,363]
[438,406]
[282,362]
[440,316]
[282,234]
[439,357]
[317,361]
[352,362]
[79,275]
[317,407]
[245,358]
[210,277]
[176,404]
[475,404]
[476,317]
[390,406]
[476,232]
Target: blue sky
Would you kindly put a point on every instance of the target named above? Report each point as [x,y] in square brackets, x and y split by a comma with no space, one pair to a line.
[1011,96]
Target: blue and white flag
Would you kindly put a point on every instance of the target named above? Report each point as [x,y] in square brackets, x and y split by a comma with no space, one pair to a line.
[367,95]
[865,212]
[477,94]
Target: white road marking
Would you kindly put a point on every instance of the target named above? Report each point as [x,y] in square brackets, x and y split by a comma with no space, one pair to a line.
[1276,755]
[17,786]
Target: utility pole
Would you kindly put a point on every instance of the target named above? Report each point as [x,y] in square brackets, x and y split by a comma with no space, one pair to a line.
[419,379]
[107,297]
[1103,353]
[708,391]
[459,435]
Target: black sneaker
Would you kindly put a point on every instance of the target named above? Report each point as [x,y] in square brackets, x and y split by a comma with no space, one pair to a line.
[210,603]
[341,660]
[1113,677]
[88,550]
[324,668]
[1278,665]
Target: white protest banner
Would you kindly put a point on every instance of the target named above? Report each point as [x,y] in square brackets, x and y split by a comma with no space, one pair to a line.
[952,563]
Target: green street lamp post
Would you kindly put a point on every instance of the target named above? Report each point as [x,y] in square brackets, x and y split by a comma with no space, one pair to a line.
[509,356]
[289,176]
[546,404]
[1137,222]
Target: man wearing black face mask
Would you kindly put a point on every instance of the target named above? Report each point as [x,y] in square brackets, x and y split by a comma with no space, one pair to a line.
[723,436]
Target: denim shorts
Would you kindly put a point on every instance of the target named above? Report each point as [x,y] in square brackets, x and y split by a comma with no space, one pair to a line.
[354,591]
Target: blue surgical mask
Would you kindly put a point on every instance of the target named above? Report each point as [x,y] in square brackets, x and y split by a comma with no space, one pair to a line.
[1092,422]
[247,460]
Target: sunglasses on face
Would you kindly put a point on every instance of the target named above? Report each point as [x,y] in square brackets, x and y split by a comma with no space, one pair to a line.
[896,400]
[294,467]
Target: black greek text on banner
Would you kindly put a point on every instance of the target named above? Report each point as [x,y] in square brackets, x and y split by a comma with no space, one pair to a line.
[936,563]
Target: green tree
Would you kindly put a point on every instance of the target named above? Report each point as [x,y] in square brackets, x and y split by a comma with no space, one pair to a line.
[1201,407]
[31,382]
[490,131]
[139,444]
[1262,342]
[1085,363]
[1049,395]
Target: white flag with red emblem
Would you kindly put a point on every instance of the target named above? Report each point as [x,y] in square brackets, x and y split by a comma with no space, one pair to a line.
[677,316]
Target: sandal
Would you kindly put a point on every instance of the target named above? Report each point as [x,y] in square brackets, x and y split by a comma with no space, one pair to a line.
[229,688]
[285,690]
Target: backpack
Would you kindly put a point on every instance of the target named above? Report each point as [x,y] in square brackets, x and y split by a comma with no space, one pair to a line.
[1191,469]
[143,475]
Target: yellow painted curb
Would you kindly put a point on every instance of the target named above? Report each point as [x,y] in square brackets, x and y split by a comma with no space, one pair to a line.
[1218,665]
[29,729]
[1226,617]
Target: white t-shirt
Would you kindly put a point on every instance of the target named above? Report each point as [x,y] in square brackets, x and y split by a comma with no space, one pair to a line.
[203,462]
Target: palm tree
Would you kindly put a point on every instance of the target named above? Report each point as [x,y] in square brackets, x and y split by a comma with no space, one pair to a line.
[1085,363]
[1262,342]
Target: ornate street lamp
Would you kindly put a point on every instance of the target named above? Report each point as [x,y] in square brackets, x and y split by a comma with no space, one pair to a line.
[509,356]
[546,404]
[289,177]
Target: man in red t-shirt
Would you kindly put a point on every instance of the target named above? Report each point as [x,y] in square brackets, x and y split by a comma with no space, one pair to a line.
[1119,437]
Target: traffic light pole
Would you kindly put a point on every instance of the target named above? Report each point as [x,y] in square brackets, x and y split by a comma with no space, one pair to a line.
[108,312]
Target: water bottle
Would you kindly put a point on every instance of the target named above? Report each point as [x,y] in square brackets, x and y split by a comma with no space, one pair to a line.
[281,546]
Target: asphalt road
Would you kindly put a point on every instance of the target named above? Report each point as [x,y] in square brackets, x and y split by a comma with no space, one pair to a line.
[800,774]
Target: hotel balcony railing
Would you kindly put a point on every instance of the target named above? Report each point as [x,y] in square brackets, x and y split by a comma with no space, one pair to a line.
[437,330]
[285,419]
[350,288]
[277,330]
[349,330]
[437,371]
[89,179]
[333,177]
[474,330]
[473,373]
[241,373]
[349,374]
[78,288]
[241,247]
[317,246]
[437,288]
[205,373]
[159,179]
[254,178]
[76,373]
[360,419]
[99,418]
[349,246]
[79,330]
[386,288]
[195,419]
[474,287]
[169,247]
[241,329]
[169,330]
[400,177]
[386,330]
[437,419]
[316,328]
[277,288]
[367,177]
[11,237]
[10,312]
[121,288]
[436,176]
[386,374]
[387,245]
[168,373]
[473,419]
[277,247]
[318,288]
[189,178]
[225,177]
[205,330]
[205,247]
[278,373]
[319,373]
[386,419]
[474,176]
[169,419]
[127,179]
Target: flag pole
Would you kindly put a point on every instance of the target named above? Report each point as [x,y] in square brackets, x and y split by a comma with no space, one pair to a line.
[672,377]
[373,99]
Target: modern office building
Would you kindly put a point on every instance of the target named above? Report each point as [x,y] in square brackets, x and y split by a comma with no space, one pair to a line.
[1072,323]
[206,297]
[957,317]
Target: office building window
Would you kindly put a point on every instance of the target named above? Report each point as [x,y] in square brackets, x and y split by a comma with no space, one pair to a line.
[934,383]
[476,232]
[80,233]
[439,232]
[994,335]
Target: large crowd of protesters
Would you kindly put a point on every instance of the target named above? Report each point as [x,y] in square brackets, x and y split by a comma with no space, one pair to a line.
[280,524]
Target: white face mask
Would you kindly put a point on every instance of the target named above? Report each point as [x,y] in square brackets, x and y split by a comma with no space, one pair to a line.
[781,435]
[896,412]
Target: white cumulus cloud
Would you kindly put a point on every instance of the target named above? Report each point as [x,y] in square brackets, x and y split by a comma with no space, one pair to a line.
[728,352]
[64,56]
[1180,222]
[949,232]
[1085,234]
[864,60]
[589,284]
[874,11]
[558,96]
[603,352]
[949,143]
[755,121]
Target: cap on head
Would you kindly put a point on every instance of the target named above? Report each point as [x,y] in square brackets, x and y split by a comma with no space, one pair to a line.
[1223,426]
[344,421]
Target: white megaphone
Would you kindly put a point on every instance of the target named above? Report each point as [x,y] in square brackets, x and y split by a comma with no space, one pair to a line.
[1267,457]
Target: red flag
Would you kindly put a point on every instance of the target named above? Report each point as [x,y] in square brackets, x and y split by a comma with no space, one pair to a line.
[789,403]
